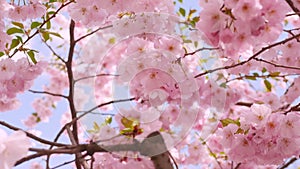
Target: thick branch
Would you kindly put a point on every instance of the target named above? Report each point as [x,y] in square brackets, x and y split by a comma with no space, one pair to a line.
[150,147]
[71,88]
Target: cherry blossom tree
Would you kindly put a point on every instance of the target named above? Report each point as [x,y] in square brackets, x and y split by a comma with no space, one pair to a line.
[151,84]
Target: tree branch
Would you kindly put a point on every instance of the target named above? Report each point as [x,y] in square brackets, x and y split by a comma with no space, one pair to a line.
[91,33]
[70,97]
[93,76]
[291,4]
[49,93]
[251,58]
[289,162]
[199,50]
[32,136]
[53,51]
[276,65]
[41,26]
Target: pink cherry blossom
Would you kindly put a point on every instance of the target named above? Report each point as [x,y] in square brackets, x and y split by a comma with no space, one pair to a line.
[8,104]
[18,13]
[35,10]
[259,114]
[247,9]
[7,69]
[10,148]
[289,125]
[36,165]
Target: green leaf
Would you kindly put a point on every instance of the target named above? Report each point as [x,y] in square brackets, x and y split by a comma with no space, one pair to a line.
[32,56]
[191,12]
[108,120]
[18,24]
[250,77]
[51,12]
[14,30]
[226,122]
[35,25]
[264,70]
[187,41]
[19,38]
[196,44]
[14,43]
[196,19]
[213,155]
[224,85]
[255,74]
[180,1]
[96,126]
[274,74]
[1,54]
[46,36]
[48,24]
[193,23]
[240,131]
[126,131]
[112,40]
[56,34]
[38,119]
[182,11]
[220,76]
[268,85]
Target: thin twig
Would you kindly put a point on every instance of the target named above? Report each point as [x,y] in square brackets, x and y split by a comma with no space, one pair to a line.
[294,8]
[238,165]
[276,65]
[293,108]
[289,162]
[48,93]
[211,152]
[251,58]
[38,29]
[91,110]
[63,164]
[31,135]
[199,50]
[53,51]
[260,76]
[93,76]
[91,33]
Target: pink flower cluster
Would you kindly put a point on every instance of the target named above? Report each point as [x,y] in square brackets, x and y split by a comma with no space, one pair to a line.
[226,27]
[154,83]
[13,82]
[32,10]
[12,148]
[3,14]
[261,137]
[96,12]
[110,161]
[43,106]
